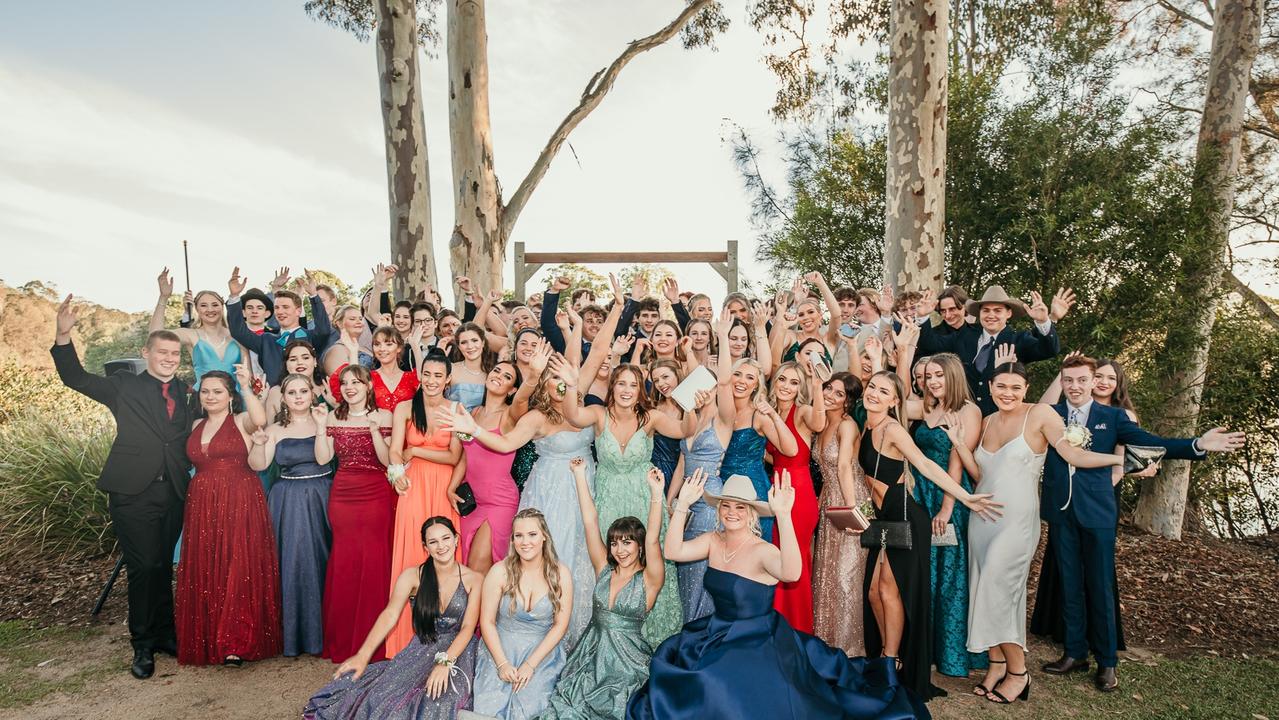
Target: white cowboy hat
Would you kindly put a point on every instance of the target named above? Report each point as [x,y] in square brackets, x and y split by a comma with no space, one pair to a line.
[739,488]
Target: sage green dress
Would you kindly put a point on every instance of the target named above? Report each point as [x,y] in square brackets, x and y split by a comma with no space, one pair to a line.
[610,661]
[621,489]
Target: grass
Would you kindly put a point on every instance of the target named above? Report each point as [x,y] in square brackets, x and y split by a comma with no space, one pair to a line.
[1204,688]
[24,648]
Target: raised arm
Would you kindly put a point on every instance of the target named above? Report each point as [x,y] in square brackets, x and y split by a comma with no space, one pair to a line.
[786,565]
[323,443]
[654,568]
[896,435]
[832,307]
[677,548]
[595,548]
[763,353]
[162,305]
[262,450]
[67,363]
[455,420]
[601,347]
[551,303]
[254,415]
[724,373]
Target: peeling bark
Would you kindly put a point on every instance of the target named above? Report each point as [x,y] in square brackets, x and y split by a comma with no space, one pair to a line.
[407,175]
[914,235]
[1161,508]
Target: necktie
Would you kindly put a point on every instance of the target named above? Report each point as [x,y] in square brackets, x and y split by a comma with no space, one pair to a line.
[169,403]
[984,353]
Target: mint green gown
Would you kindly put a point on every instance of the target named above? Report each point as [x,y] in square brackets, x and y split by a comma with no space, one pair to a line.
[621,489]
[611,660]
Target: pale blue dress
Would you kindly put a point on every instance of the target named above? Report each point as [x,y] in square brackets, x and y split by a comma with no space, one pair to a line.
[551,489]
[520,633]
[469,395]
[204,358]
[701,451]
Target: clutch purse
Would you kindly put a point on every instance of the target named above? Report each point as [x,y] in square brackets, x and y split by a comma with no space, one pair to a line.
[888,533]
[467,506]
[947,538]
[1140,457]
[847,518]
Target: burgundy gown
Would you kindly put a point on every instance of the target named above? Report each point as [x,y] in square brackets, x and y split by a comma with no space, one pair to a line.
[362,515]
[795,600]
[228,597]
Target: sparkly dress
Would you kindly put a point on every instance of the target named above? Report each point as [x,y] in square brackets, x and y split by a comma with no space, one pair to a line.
[552,490]
[496,498]
[795,599]
[387,398]
[610,662]
[522,464]
[949,564]
[840,562]
[299,503]
[701,451]
[396,689]
[427,496]
[362,515]
[228,594]
[621,490]
[745,456]
[520,631]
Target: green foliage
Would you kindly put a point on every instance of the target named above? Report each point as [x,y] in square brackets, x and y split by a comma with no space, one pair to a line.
[26,390]
[359,18]
[49,467]
[579,276]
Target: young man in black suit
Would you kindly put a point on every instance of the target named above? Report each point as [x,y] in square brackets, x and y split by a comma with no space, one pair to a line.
[145,476]
[975,344]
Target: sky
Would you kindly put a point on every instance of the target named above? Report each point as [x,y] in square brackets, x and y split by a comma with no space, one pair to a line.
[255,133]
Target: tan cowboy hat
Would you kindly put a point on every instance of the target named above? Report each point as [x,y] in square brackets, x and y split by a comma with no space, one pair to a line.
[741,489]
[995,295]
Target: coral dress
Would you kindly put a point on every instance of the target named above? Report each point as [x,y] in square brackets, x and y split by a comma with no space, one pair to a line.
[427,496]
[228,597]
[361,513]
[795,600]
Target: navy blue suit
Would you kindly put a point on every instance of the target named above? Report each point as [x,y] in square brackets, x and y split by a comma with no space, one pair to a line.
[1031,345]
[1082,516]
[269,346]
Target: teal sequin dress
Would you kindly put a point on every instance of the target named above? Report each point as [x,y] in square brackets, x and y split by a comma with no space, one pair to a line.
[621,489]
[610,662]
[948,565]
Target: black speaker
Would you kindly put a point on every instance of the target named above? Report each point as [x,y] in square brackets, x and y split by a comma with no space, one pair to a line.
[134,366]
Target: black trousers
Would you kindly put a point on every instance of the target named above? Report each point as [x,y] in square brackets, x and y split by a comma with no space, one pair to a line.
[148,525]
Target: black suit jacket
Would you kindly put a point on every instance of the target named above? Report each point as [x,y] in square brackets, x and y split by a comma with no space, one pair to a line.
[148,445]
[1031,346]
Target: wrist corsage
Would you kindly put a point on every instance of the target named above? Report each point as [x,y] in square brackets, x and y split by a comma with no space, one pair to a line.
[442,658]
[395,472]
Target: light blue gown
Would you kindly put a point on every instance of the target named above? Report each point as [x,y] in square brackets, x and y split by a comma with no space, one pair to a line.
[204,358]
[551,489]
[701,451]
[520,633]
[470,395]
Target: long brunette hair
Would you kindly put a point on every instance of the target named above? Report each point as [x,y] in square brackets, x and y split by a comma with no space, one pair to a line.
[426,604]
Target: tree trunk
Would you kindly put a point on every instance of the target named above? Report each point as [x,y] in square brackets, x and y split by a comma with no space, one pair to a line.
[1236,34]
[407,175]
[477,247]
[914,250]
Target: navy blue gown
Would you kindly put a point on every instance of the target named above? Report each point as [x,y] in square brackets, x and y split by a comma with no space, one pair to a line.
[665,456]
[298,503]
[746,661]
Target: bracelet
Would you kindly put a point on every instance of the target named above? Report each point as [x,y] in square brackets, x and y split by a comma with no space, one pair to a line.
[504,664]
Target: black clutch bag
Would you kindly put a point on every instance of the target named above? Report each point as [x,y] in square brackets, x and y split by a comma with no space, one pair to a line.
[467,506]
[1140,457]
[887,533]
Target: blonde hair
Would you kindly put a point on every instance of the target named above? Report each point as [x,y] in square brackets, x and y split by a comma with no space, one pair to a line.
[550,564]
[541,400]
[759,387]
[956,394]
[196,322]
[804,397]
[753,525]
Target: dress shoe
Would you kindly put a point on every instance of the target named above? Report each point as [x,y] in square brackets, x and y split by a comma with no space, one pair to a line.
[168,647]
[143,664]
[1106,679]
[1066,665]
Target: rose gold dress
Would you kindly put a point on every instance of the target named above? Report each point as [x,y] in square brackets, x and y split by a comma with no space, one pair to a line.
[839,563]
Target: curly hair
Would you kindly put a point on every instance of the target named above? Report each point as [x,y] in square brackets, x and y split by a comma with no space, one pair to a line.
[543,400]
[550,563]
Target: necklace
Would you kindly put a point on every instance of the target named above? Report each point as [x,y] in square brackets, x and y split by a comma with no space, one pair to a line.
[728,556]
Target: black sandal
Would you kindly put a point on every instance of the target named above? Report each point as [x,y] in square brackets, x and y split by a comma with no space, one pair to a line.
[981,690]
[998,698]
[897,662]
[233,661]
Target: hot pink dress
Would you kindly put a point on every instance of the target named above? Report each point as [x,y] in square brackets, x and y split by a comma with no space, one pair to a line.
[496,497]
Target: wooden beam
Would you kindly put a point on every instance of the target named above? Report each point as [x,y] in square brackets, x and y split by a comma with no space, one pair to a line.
[626,257]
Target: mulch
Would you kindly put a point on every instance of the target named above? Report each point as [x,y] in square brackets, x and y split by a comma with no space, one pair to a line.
[1199,596]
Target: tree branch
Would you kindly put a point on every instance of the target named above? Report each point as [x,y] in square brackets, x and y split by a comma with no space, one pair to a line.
[1185,15]
[599,86]
[1256,301]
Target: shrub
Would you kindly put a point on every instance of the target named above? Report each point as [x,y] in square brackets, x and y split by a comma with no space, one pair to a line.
[26,390]
[49,467]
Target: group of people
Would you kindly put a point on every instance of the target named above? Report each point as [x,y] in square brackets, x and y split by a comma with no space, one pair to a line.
[520,512]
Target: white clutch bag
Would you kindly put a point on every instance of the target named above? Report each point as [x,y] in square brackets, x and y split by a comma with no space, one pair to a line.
[685,394]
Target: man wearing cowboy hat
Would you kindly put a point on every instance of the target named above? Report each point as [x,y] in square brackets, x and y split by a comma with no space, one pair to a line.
[975,344]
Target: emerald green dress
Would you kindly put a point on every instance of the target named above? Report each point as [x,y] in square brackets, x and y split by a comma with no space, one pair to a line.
[610,661]
[621,490]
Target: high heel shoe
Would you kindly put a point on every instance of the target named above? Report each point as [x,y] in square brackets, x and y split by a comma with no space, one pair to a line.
[998,698]
[981,690]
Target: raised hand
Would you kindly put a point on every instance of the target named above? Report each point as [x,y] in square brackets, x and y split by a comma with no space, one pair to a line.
[701,398]
[670,288]
[618,296]
[1219,439]
[623,343]
[464,284]
[641,345]
[1037,310]
[639,288]
[389,272]
[954,427]
[781,496]
[307,283]
[166,284]
[908,335]
[724,324]
[886,300]
[984,506]
[281,279]
[759,314]
[927,304]
[1062,302]
[1005,354]
[562,322]
[320,415]
[236,284]
[188,297]
[563,369]
[559,284]
[692,489]
[656,483]
[541,357]
[573,317]
[814,278]
[243,375]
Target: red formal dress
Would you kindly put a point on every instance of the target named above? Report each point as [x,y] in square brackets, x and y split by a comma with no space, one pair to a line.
[362,515]
[386,398]
[228,597]
[795,600]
